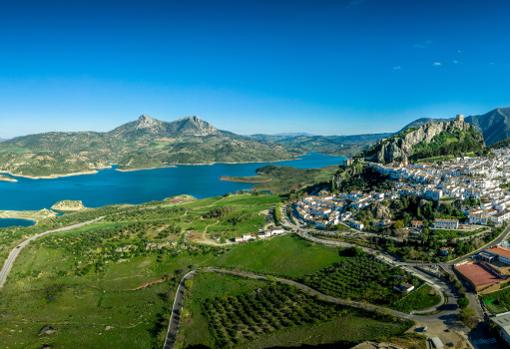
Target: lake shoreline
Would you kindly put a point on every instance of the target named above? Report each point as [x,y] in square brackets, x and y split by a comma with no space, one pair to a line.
[110,187]
[55,176]
[96,171]
[247,179]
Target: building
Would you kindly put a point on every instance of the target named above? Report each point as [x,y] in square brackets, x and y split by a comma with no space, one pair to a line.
[501,253]
[404,288]
[356,225]
[502,323]
[416,224]
[446,224]
[436,343]
[478,277]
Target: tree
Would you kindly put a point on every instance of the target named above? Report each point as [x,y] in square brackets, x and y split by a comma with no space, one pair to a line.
[468,317]
[463,301]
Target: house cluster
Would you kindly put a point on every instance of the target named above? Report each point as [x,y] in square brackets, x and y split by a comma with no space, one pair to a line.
[261,235]
[461,178]
[488,270]
[324,211]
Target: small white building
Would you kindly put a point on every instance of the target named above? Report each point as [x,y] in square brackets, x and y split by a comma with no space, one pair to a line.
[446,224]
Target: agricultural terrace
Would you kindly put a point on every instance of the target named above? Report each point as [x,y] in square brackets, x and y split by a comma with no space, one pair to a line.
[221,314]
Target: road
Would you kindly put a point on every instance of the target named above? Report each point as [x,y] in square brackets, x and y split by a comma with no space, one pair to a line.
[9,262]
[178,303]
[173,325]
[500,238]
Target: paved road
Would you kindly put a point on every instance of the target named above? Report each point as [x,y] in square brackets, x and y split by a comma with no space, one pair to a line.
[9,262]
[500,238]
[173,325]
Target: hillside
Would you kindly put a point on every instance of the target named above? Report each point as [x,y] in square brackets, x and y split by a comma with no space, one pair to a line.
[338,145]
[143,143]
[429,139]
[494,125]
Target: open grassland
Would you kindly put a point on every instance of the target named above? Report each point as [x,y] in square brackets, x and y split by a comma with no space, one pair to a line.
[226,312]
[423,297]
[291,257]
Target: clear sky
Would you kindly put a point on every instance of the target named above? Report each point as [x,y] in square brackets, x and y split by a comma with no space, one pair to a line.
[250,66]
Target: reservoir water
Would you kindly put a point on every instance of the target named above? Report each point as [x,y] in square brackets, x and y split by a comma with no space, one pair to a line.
[12,222]
[114,187]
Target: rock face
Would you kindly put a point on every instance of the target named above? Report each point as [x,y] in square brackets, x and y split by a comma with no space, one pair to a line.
[494,125]
[400,147]
[68,206]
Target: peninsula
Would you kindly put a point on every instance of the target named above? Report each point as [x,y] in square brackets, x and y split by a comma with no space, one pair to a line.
[4,178]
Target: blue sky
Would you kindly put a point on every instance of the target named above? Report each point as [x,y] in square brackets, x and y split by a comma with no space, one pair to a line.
[326,67]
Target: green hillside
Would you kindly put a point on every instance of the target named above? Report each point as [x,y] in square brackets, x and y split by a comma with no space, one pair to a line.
[144,143]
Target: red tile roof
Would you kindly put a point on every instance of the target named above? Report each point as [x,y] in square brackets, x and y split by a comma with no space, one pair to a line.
[500,251]
[477,274]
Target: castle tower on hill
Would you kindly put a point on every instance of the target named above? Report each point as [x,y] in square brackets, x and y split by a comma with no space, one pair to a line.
[459,118]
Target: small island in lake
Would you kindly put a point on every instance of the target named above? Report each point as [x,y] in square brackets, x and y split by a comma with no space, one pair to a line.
[68,206]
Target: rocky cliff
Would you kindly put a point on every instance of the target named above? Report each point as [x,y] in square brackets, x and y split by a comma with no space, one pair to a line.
[416,140]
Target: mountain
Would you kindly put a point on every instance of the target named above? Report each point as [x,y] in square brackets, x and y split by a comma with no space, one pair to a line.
[146,142]
[430,139]
[341,145]
[494,125]
[420,122]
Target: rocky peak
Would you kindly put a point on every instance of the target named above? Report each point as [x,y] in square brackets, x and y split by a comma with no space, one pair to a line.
[194,126]
[146,122]
[399,147]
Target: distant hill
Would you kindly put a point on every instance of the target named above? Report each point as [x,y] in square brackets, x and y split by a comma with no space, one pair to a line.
[143,143]
[495,125]
[432,138]
[340,145]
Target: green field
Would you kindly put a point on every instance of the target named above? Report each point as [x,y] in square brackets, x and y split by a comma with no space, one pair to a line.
[288,256]
[224,311]
[360,277]
[497,302]
[423,297]
[111,284]
[83,283]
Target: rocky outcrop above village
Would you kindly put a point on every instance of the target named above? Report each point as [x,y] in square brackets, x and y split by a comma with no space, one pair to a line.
[428,139]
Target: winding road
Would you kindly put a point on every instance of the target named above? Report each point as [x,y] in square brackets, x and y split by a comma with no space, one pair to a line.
[9,262]
[178,303]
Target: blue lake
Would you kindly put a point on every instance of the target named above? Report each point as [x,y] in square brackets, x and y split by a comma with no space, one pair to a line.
[12,222]
[114,187]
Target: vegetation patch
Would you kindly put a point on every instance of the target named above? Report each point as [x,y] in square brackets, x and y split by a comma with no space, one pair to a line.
[423,297]
[360,277]
[266,311]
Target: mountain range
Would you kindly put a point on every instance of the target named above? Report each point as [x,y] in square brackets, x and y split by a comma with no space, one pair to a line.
[143,143]
[148,143]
